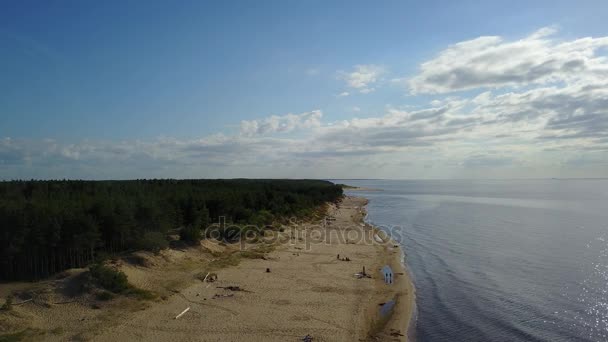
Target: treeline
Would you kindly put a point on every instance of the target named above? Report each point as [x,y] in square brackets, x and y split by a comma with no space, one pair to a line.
[50,226]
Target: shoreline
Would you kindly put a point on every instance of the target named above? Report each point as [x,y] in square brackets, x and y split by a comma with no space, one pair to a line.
[283,293]
[407,309]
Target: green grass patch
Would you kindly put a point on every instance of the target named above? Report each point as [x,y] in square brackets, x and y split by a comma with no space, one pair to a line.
[58,331]
[116,282]
[140,293]
[104,295]
[8,304]
[253,255]
[24,335]
[109,278]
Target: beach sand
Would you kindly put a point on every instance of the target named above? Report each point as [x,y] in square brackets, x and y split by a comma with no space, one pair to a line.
[308,291]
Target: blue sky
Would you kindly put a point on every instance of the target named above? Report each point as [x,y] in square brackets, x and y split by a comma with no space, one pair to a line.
[127,89]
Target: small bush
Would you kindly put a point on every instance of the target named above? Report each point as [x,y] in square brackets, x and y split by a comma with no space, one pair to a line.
[140,293]
[109,278]
[104,295]
[153,242]
[17,336]
[8,304]
[116,282]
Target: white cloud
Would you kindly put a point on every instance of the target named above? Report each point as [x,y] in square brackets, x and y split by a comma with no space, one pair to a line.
[492,62]
[363,77]
[281,123]
[343,94]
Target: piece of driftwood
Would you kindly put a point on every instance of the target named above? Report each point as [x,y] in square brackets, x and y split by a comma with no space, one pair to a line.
[215,296]
[396,333]
[25,301]
[233,288]
[183,312]
[362,275]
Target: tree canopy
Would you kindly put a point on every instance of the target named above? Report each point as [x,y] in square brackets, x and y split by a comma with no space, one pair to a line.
[49,226]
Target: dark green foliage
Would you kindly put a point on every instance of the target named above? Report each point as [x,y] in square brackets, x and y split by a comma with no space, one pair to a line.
[191,234]
[24,335]
[109,278]
[115,282]
[104,295]
[49,226]
[153,242]
[8,304]
[262,218]
[140,293]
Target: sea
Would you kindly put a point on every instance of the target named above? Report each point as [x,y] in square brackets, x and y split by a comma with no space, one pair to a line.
[500,260]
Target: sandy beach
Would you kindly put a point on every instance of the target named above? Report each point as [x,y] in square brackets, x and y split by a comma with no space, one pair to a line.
[307,291]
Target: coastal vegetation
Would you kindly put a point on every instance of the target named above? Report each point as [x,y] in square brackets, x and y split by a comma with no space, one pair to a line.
[115,282]
[49,226]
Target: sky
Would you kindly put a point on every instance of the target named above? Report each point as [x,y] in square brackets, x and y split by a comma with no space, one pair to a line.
[303,89]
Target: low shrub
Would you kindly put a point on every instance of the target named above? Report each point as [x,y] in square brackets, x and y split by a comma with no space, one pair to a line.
[140,293]
[104,295]
[116,282]
[153,242]
[8,304]
[109,279]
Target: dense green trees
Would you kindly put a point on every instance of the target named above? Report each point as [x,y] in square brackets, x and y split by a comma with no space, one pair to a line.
[49,226]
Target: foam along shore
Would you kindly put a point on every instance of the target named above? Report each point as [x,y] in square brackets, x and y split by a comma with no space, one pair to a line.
[300,288]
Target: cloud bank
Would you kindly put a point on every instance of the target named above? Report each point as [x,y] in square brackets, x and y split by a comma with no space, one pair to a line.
[492,62]
[534,107]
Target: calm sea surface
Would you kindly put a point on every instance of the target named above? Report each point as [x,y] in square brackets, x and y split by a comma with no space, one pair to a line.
[517,260]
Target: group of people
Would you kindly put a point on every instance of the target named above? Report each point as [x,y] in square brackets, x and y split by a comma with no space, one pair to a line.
[343,259]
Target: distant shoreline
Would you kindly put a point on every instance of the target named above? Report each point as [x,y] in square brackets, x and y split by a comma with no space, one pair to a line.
[357,188]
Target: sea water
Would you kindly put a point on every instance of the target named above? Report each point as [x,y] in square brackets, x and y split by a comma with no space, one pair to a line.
[501,260]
